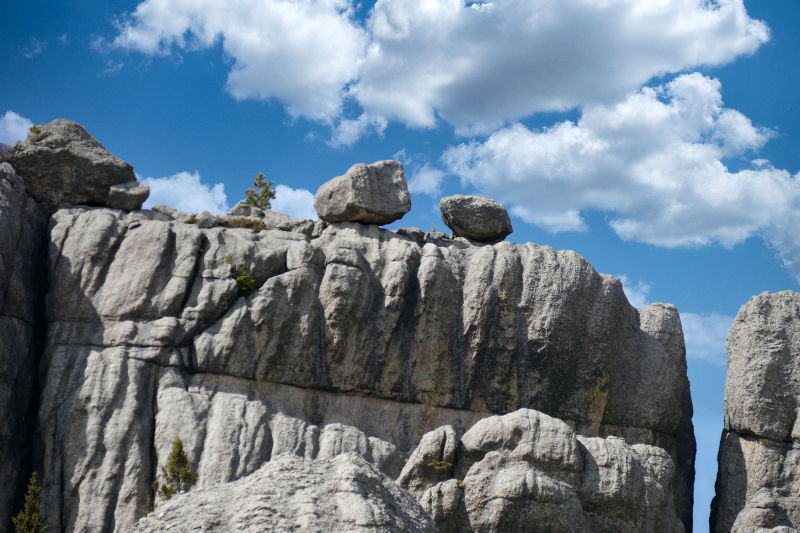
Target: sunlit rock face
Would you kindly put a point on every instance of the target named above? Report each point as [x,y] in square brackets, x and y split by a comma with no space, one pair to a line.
[394,334]
[758,478]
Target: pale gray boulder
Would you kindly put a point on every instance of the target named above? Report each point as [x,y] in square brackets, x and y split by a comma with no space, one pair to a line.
[759,458]
[476,217]
[372,194]
[431,462]
[526,471]
[289,493]
[63,165]
[23,273]
[128,196]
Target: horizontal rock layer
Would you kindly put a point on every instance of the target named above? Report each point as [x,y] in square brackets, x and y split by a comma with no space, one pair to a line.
[148,338]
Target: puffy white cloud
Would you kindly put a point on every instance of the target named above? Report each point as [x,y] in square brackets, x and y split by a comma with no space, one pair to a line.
[426,180]
[637,294]
[705,336]
[185,192]
[298,203]
[13,127]
[302,52]
[655,160]
[476,65]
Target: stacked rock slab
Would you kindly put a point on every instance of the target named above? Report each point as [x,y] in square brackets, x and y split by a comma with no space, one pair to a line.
[63,165]
[372,194]
[393,334]
[758,480]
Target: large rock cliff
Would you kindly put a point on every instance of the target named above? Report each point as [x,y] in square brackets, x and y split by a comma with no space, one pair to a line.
[354,343]
[757,483]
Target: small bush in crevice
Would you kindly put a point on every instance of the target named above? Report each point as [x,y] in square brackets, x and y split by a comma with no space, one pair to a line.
[29,520]
[244,282]
[177,476]
[440,465]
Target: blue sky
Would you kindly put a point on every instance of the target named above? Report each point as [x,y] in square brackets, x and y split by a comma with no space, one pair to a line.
[657,138]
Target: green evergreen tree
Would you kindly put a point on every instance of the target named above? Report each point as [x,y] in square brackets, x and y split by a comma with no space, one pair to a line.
[29,520]
[178,475]
[262,194]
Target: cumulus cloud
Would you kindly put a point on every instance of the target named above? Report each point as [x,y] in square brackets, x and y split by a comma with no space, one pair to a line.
[298,203]
[185,192]
[655,160]
[13,127]
[476,66]
[302,52]
[705,336]
[637,294]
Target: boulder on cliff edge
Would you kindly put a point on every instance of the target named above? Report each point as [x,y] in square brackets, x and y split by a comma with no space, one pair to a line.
[62,164]
[476,217]
[372,194]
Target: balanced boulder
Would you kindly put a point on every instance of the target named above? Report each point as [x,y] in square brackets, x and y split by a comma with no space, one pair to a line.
[62,164]
[476,217]
[372,194]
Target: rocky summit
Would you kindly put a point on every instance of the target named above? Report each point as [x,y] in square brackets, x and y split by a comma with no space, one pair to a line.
[325,375]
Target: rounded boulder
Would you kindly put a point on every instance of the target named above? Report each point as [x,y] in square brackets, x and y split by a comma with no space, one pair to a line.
[476,217]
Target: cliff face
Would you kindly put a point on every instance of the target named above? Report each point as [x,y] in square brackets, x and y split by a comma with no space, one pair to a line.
[23,273]
[355,344]
[757,483]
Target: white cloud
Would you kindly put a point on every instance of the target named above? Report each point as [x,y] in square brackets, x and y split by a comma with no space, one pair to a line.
[476,66]
[426,180]
[185,192]
[112,67]
[298,203]
[705,336]
[654,159]
[36,47]
[13,127]
[302,52]
[636,294]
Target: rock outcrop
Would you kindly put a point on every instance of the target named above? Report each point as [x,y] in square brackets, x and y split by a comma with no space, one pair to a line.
[323,360]
[372,194]
[343,493]
[475,217]
[63,165]
[392,334]
[526,471]
[23,274]
[758,480]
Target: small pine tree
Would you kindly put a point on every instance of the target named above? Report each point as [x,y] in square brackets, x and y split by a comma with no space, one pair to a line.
[29,520]
[178,475]
[262,194]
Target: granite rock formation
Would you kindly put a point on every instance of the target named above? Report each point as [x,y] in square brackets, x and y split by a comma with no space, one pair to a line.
[62,165]
[758,481]
[23,272]
[372,194]
[360,354]
[475,217]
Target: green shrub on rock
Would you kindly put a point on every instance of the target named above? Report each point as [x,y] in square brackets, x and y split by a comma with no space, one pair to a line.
[262,194]
[245,283]
[177,476]
[29,520]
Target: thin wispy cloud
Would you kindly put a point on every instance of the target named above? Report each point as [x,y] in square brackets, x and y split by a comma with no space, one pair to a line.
[36,47]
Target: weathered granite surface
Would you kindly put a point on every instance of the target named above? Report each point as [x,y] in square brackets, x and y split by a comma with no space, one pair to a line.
[758,481]
[23,272]
[526,471]
[394,334]
[341,493]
